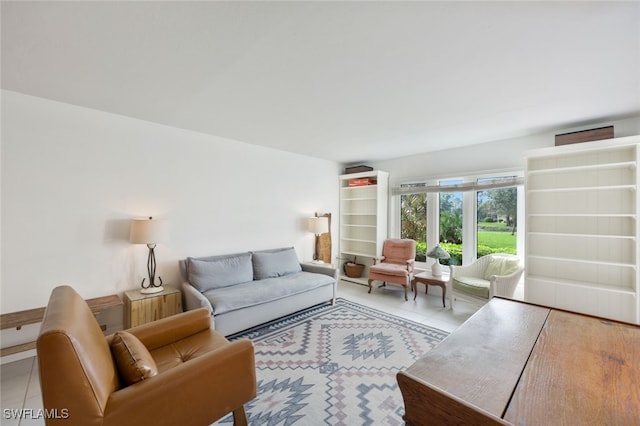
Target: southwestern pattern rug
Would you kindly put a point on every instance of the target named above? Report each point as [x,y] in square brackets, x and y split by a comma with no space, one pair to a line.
[334,365]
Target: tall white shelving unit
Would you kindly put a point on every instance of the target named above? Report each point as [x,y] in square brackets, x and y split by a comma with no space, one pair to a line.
[363,218]
[582,228]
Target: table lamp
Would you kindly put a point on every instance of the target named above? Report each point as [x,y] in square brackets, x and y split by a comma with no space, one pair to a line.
[437,253]
[318,225]
[150,232]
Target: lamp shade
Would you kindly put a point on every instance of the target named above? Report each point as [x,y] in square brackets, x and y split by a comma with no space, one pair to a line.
[148,231]
[438,253]
[318,225]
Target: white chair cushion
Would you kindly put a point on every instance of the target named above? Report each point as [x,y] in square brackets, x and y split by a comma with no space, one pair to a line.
[472,285]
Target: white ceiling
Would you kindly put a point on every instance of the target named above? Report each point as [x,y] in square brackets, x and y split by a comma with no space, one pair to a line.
[345,81]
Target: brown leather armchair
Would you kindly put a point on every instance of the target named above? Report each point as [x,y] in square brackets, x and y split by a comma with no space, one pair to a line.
[200,376]
[396,263]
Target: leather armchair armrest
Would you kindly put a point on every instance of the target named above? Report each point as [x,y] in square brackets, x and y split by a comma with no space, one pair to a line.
[167,330]
[210,385]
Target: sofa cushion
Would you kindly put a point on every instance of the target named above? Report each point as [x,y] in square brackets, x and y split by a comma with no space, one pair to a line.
[263,291]
[219,271]
[472,285]
[134,361]
[501,265]
[271,264]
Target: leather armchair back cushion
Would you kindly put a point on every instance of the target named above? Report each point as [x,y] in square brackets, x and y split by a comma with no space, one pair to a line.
[132,358]
[76,368]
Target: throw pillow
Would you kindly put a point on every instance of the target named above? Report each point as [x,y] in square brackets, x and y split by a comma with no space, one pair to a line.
[134,361]
[500,265]
[275,264]
[220,271]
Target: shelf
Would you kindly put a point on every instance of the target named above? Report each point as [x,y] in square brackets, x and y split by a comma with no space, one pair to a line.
[582,284]
[357,253]
[358,240]
[585,156]
[359,187]
[627,215]
[360,199]
[361,280]
[352,191]
[582,261]
[571,235]
[622,226]
[580,168]
[584,188]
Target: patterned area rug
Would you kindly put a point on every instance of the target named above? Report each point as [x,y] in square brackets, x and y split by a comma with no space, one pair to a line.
[334,365]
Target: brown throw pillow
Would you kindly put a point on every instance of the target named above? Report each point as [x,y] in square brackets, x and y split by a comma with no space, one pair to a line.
[132,358]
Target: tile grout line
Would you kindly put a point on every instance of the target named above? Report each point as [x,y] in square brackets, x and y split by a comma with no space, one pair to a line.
[26,390]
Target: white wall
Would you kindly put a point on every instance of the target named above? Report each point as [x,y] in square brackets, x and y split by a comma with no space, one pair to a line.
[72,178]
[504,155]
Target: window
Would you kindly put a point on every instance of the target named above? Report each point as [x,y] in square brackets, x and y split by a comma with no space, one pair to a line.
[413,222]
[470,217]
[497,221]
[451,214]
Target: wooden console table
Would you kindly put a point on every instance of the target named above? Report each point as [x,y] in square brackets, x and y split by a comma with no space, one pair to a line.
[517,363]
[108,311]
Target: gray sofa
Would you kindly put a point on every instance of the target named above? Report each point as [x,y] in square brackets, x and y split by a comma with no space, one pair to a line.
[243,290]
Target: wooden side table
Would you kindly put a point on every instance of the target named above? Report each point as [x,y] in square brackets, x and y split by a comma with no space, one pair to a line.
[428,279]
[143,308]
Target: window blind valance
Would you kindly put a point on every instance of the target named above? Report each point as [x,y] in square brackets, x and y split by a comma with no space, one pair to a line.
[480,185]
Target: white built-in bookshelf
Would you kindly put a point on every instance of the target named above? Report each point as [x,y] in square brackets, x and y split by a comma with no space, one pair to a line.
[582,228]
[363,218]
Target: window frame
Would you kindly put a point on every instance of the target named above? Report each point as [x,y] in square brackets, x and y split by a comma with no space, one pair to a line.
[469,212]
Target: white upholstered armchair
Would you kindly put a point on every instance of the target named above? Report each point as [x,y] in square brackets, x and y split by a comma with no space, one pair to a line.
[495,274]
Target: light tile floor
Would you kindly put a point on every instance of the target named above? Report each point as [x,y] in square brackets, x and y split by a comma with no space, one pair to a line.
[20,386]
[426,309]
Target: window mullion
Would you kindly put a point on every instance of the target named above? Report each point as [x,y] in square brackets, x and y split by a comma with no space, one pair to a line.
[469,209]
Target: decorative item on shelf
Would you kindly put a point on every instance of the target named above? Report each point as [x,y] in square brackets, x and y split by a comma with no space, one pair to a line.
[357,169]
[353,269]
[150,232]
[318,225]
[585,136]
[437,253]
[362,182]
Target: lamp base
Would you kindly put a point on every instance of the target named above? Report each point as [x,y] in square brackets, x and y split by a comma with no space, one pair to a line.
[436,269]
[151,290]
